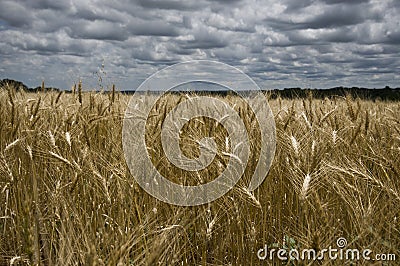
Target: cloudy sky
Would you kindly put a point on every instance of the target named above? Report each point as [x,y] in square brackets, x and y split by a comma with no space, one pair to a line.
[288,43]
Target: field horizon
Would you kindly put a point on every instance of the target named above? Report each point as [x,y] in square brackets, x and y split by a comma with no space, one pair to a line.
[384,93]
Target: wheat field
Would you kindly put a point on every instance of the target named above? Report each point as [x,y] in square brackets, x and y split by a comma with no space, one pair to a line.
[67,196]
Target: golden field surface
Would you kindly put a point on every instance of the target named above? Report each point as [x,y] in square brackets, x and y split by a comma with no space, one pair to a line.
[67,196]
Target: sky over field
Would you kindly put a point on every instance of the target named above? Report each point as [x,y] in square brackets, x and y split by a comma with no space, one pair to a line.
[289,43]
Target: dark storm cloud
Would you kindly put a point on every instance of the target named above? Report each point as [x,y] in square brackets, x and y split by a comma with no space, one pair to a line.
[296,5]
[15,14]
[393,37]
[338,36]
[279,43]
[91,15]
[225,1]
[98,29]
[204,43]
[374,63]
[49,4]
[336,17]
[152,28]
[345,2]
[293,6]
[331,17]
[168,4]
